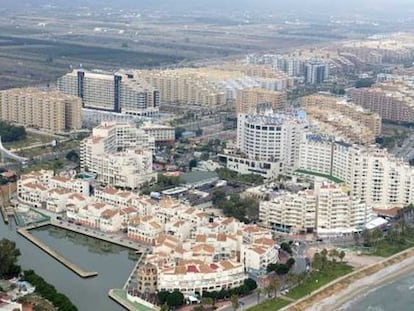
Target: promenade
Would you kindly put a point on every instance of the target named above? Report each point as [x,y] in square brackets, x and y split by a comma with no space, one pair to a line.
[26,234]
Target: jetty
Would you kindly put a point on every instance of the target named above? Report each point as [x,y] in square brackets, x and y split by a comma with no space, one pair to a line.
[90,232]
[4,214]
[26,234]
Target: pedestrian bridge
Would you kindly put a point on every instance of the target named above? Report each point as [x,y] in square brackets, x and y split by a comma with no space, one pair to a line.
[6,154]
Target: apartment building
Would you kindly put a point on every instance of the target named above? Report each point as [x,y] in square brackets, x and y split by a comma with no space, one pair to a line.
[47,110]
[160,132]
[270,136]
[328,209]
[343,119]
[374,176]
[316,71]
[117,92]
[120,154]
[252,101]
[392,101]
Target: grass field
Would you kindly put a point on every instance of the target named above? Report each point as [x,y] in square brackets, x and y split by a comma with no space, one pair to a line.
[318,279]
[31,139]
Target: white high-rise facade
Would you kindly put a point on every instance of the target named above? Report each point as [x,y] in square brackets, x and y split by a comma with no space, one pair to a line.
[120,154]
[271,137]
[373,175]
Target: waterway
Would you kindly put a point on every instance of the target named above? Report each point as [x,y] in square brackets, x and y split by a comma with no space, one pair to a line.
[397,295]
[112,262]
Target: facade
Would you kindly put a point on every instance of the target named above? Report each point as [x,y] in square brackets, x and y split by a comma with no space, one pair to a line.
[161,133]
[271,137]
[316,71]
[373,175]
[253,101]
[327,209]
[392,101]
[118,93]
[120,154]
[343,119]
[47,110]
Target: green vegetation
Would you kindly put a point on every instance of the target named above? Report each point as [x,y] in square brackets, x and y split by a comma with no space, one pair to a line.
[229,175]
[10,133]
[163,182]
[172,299]
[329,177]
[286,247]
[73,156]
[367,82]
[8,259]
[271,305]
[49,292]
[248,286]
[280,268]
[398,237]
[245,210]
[325,269]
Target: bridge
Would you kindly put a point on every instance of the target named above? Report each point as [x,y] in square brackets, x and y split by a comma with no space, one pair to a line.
[7,154]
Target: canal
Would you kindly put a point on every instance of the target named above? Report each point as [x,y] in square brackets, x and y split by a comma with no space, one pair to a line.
[112,262]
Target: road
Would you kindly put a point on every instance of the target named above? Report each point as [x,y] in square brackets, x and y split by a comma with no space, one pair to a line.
[300,258]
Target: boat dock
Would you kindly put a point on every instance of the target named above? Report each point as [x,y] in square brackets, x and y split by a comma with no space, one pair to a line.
[26,234]
[100,236]
[4,214]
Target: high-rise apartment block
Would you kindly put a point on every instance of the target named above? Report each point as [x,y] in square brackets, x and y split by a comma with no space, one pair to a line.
[373,175]
[327,209]
[316,71]
[47,110]
[118,93]
[343,119]
[392,101]
[255,100]
[120,154]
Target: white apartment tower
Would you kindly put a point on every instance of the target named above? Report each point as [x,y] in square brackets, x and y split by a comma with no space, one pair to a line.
[272,137]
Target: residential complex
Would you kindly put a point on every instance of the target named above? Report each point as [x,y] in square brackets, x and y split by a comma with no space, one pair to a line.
[392,100]
[120,154]
[267,143]
[316,71]
[51,111]
[327,209]
[373,175]
[118,92]
[160,132]
[252,101]
[191,251]
[343,119]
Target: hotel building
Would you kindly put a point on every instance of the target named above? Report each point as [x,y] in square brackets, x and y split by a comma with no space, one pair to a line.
[118,93]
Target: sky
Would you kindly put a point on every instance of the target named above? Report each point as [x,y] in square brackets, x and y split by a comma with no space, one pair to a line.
[323,6]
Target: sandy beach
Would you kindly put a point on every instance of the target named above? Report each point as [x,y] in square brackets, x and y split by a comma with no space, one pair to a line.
[337,300]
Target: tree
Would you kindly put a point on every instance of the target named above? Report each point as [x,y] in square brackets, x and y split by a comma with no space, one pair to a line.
[250,284]
[73,156]
[341,255]
[235,302]
[175,299]
[192,164]
[286,247]
[259,291]
[8,259]
[207,301]
[275,285]
[164,307]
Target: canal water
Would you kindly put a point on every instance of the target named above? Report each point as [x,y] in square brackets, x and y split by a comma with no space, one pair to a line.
[112,262]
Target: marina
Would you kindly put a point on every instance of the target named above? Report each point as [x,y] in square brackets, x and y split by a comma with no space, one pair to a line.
[79,271]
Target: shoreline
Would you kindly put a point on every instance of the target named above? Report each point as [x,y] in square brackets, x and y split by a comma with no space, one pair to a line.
[361,287]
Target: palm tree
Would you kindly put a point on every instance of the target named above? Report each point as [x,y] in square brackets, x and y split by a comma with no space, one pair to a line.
[275,285]
[207,301]
[235,302]
[259,291]
[341,255]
